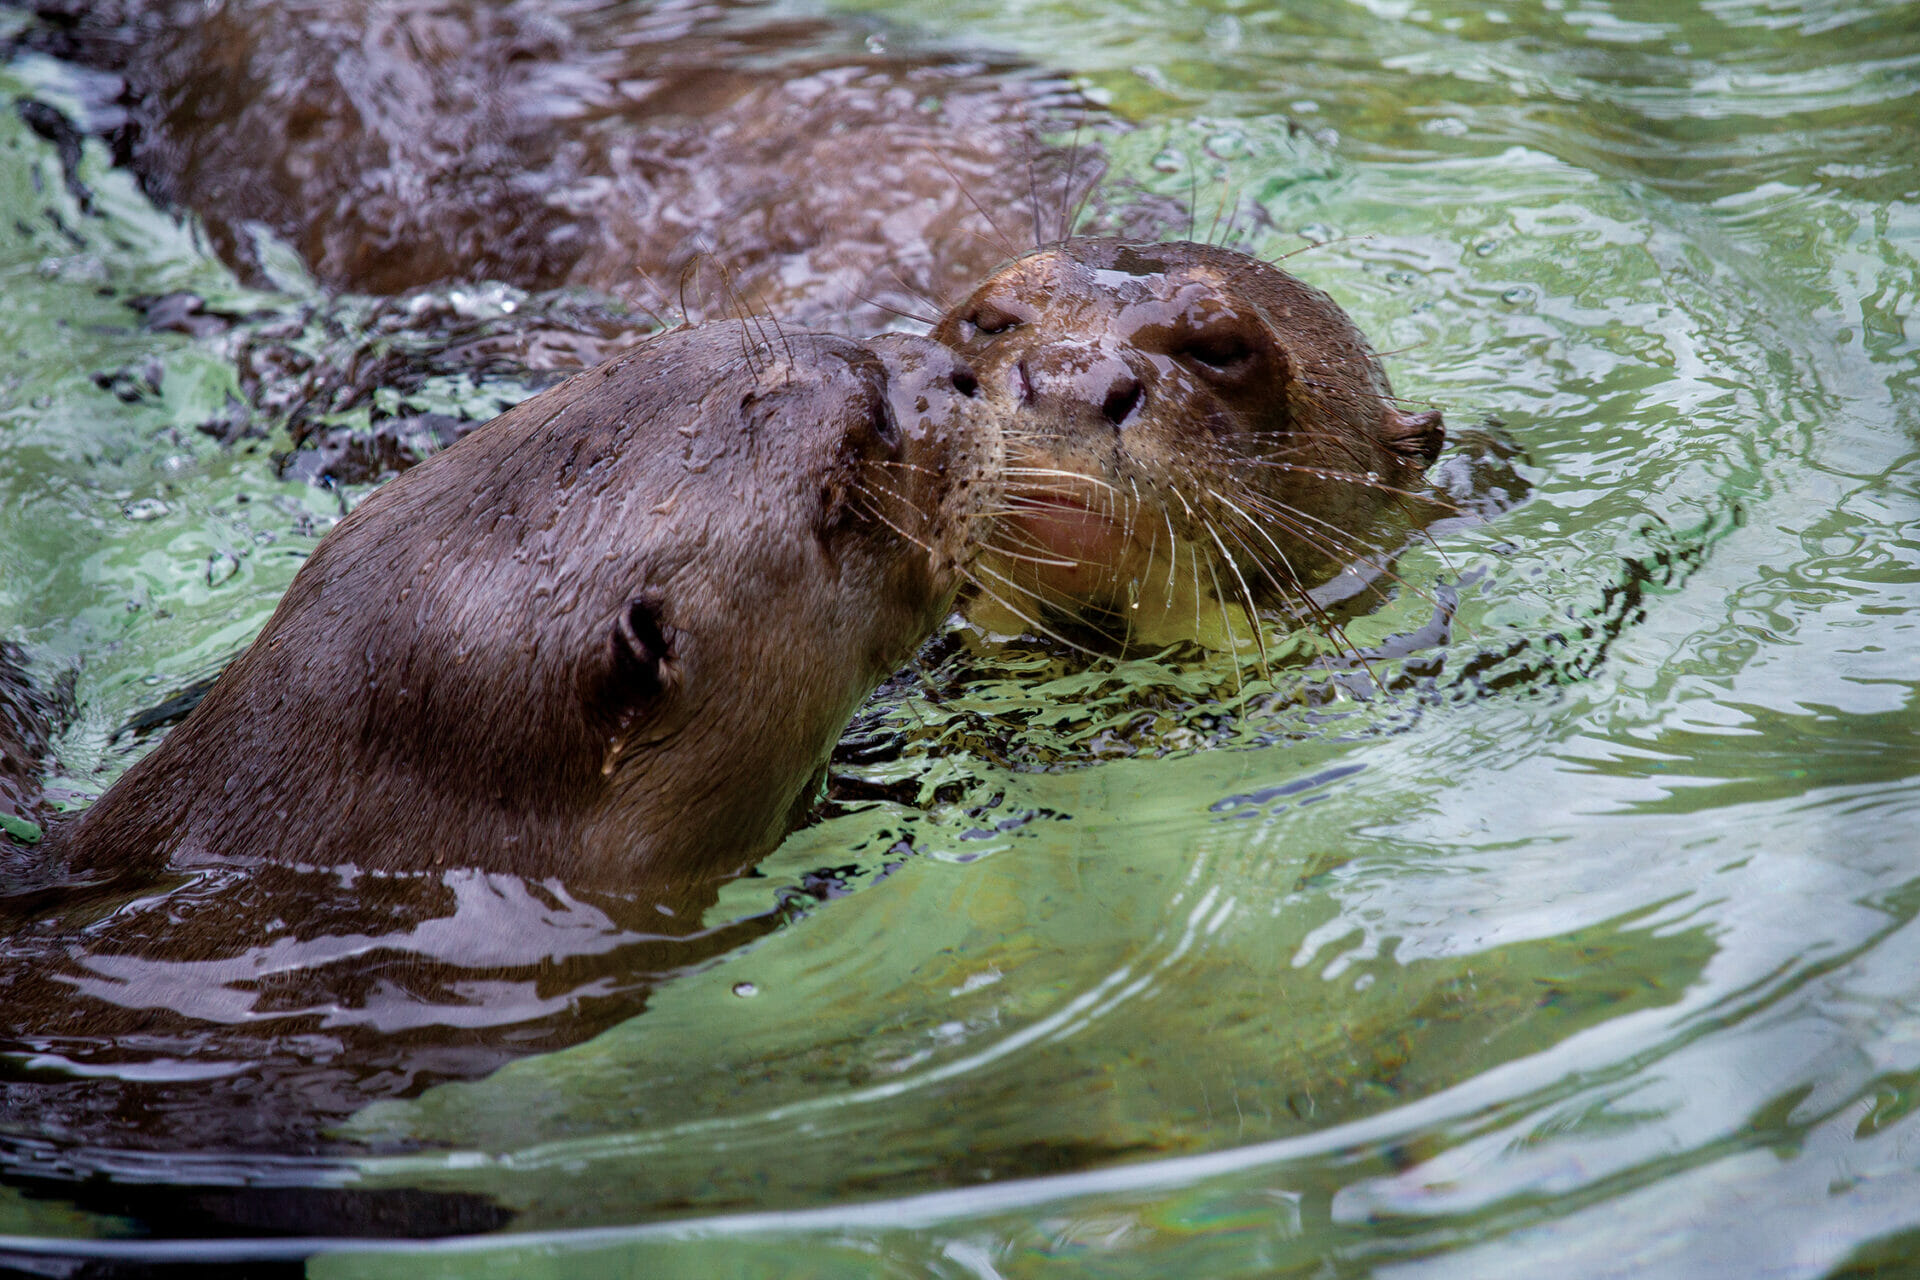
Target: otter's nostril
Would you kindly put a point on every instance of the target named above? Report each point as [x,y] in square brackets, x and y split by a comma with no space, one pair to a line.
[965,383]
[1122,399]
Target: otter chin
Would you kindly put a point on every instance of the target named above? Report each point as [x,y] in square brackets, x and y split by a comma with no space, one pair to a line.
[1193,437]
[609,638]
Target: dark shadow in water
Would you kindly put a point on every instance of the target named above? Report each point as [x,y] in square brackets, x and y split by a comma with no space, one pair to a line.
[177,1054]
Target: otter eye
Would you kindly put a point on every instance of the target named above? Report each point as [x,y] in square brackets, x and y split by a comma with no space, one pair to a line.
[1217,349]
[875,431]
[885,429]
[988,319]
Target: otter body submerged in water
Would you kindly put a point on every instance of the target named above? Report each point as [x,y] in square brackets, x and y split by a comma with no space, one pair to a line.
[610,636]
[1193,436]
[469,793]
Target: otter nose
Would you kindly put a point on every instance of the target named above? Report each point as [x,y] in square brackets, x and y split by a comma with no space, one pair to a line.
[963,379]
[1082,382]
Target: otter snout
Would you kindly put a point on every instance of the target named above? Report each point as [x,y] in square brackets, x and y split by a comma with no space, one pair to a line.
[921,373]
[1080,383]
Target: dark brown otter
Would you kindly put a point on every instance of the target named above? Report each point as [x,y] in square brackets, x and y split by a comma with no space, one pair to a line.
[1193,436]
[471,790]
[399,143]
[609,638]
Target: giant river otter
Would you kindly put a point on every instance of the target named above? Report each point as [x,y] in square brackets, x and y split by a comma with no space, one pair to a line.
[471,788]
[1193,436]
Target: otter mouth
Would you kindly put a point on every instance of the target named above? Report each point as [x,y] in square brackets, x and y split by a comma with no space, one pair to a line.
[1067,543]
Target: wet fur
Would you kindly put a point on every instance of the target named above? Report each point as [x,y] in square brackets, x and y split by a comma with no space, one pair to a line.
[609,638]
[1225,421]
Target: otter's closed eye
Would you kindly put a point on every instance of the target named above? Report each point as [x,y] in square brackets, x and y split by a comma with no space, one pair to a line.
[1218,349]
[884,428]
[989,319]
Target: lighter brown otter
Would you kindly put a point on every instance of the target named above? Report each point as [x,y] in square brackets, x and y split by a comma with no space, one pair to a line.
[1194,437]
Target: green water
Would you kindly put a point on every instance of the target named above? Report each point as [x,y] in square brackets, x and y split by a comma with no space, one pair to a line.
[1593,950]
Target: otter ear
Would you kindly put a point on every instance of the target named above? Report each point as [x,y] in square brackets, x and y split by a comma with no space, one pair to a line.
[639,646]
[1417,437]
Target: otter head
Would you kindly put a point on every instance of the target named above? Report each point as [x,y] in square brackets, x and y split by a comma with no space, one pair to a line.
[610,637]
[1192,435]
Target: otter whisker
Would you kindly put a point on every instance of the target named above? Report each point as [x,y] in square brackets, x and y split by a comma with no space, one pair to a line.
[936,298]
[1029,620]
[781,333]
[1321,617]
[1340,550]
[1080,209]
[659,322]
[1253,610]
[1287,588]
[1293,577]
[1044,562]
[1173,555]
[1006,242]
[904,536]
[983,238]
[1033,186]
[1391,399]
[1000,512]
[1323,244]
[1073,172]
[1175,490]
[1052,473]
[1291,519]
[1050,562]
[896,311]
[896,464]
[1226,198]
[742,310]
[1226,620]
[1358,480]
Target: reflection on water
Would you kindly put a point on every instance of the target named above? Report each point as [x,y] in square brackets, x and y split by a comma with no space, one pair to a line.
[1588,935]
[246,1011]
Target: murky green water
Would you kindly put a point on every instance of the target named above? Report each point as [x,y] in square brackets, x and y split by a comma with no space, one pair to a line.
[1590,947]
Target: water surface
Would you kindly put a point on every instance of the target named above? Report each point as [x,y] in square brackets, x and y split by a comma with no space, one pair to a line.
[1584,940]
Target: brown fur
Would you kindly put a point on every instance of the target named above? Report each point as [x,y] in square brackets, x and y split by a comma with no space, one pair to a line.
[1193,435]
[610,637]
[399,143]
